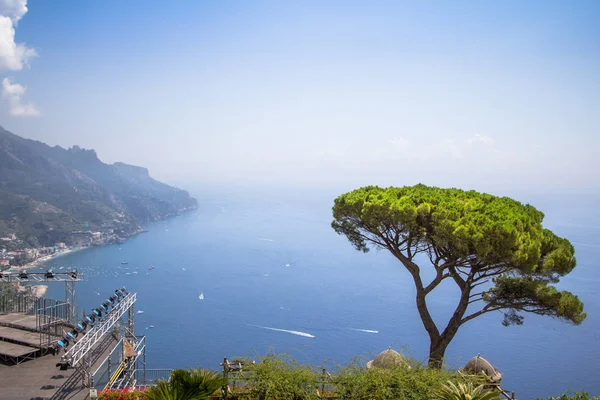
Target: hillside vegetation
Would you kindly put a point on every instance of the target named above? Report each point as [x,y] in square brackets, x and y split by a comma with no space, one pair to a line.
[47,193]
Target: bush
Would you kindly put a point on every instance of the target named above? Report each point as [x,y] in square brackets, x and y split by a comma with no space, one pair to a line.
[278,377]
[418,382]
[190,384]
[575,396]
[467,391]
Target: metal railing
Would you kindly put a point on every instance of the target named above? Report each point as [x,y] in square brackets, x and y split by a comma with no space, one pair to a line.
[150,376]
[105,370]
[51,316]
[18,303]
[95,334]
[130,365]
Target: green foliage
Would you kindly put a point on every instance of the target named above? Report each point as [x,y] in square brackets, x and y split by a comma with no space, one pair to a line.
[466,391]
[418,383]
[475,239]
[571,396]
[190,384]
[462,223]
[48,192]
[280,377]
[162,391]
[533,295]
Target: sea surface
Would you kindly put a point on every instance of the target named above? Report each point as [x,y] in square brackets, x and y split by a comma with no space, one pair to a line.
[276,277]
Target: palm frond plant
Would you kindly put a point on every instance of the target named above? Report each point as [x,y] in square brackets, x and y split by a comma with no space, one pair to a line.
[466,391]
[190,384]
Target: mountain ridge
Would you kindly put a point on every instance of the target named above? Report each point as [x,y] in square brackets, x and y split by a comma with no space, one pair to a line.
[39,183]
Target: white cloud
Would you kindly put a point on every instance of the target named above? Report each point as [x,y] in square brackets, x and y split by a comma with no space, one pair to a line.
[14,9]
[13,92]
[14,56]
[481,139]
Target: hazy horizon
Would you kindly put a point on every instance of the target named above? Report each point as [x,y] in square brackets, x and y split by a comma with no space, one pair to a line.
[495,96]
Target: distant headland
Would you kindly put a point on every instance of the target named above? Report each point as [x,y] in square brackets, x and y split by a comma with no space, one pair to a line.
[55,200]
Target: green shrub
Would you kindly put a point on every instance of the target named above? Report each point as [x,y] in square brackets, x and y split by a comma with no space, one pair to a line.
[190,384]
[571,396]
[280,377]
[466,391]
[418,382]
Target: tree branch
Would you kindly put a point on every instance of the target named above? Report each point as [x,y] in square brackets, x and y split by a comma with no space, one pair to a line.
[486,309]
[436,281]
[457,278]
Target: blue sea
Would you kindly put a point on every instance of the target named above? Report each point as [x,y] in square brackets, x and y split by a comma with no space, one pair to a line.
[276,277]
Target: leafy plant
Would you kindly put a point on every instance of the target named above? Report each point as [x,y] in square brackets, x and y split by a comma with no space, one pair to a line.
[280,377]
[416,383]
[575,396]
[466,391]
[190,384]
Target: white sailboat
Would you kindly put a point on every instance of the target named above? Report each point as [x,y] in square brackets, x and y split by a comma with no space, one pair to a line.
[201,296]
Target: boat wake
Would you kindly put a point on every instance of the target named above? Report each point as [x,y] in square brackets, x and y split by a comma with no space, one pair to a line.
[266,240]
[364,330]
[297,333]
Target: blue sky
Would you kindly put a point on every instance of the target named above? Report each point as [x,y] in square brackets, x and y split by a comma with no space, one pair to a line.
[313,93]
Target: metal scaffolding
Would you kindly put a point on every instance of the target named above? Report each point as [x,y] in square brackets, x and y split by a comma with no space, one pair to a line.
[79,355]
[57,314]
[125,366]
[69,278]
[79,350]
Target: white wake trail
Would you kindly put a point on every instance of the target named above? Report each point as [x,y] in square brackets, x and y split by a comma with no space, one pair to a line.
[266,240]
[298,333]
[364,330]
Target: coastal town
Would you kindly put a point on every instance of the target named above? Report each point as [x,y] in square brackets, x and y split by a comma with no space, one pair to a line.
[15,256]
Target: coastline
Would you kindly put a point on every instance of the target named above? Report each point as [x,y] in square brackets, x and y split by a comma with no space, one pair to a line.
[40,261]
[39,290]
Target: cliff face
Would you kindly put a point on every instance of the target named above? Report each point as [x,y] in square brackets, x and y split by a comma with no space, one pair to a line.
[46,193]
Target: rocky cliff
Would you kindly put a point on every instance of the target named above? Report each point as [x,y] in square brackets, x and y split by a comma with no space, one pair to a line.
[47,193]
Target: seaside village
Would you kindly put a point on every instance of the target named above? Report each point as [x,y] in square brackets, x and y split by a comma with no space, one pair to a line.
[15,256]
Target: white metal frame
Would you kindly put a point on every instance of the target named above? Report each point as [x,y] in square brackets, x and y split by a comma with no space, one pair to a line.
[76,353]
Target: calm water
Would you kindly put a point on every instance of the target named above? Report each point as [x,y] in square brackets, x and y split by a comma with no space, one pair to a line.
[235,248]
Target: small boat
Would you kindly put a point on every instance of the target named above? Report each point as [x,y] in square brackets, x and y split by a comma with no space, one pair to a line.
[151,326]
[140,312]
[201,297]
[287,265]
[151,267]
[124,262]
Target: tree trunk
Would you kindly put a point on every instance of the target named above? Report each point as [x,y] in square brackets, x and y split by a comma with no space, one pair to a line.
[438,346]
[426,319]
[438,342]
[437,350]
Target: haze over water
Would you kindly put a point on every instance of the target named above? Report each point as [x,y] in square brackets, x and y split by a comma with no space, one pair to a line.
[275,276]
